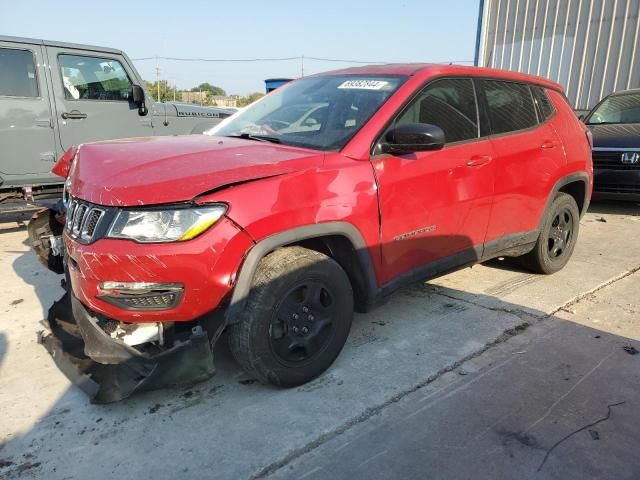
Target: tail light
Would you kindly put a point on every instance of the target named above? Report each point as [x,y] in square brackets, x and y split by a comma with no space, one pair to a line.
[589,138]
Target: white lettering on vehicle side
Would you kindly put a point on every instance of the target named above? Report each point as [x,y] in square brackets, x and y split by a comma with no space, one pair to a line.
[430,228]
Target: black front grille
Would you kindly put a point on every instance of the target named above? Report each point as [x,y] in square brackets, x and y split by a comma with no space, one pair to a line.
[617,188]
[83,220]
[612,161]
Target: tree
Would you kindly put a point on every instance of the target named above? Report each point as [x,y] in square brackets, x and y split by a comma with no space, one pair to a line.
[166,91]
[244,101]
[211,89]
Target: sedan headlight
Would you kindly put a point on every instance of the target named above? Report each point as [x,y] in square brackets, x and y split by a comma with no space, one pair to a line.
[166,225]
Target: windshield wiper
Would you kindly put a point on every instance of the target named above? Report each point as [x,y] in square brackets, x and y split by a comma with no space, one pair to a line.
[259,138]
[613,123]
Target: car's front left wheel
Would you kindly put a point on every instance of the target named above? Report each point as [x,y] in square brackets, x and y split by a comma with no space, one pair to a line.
[297,318]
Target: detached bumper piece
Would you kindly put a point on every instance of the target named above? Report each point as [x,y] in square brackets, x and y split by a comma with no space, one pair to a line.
[109,370]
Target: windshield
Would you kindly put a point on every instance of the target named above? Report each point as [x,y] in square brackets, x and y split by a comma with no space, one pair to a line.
[316,112]
[617,109]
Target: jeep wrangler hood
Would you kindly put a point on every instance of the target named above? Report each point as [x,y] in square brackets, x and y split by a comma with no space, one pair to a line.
[155,170]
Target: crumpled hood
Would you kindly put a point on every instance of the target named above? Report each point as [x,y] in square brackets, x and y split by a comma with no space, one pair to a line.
[155,170]
[616,136]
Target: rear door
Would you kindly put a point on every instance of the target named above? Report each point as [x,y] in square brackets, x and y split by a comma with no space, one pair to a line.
[92,94]
[27,145]
[435,205]
[528,155]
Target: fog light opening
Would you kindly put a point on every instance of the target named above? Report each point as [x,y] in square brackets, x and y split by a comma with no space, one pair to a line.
[141,296]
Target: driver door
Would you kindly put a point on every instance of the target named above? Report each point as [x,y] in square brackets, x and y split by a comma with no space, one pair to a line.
[92,97]
[435,205]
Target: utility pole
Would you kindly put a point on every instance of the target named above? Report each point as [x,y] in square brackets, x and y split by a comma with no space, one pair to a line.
[200,97]
[158,78]
[174,93]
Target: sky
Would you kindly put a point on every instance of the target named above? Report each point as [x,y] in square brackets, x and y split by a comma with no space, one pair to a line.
[372,31]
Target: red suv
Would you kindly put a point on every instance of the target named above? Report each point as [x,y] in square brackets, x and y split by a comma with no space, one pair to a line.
[323,197]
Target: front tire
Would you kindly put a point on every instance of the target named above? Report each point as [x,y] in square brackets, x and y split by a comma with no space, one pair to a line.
[557,238]
[297,318]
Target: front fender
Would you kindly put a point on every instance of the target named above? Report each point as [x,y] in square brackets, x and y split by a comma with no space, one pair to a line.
[261,249]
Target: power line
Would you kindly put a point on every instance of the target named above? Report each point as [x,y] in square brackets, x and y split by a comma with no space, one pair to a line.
[301,58]
[181,59]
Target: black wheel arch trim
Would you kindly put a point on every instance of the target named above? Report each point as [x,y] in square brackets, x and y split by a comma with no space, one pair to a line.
[566,180]
[264,247]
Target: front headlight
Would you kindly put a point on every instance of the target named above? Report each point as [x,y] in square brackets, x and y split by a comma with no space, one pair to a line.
[167,225]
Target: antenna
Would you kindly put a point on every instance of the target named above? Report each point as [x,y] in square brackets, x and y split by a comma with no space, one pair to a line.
[158,78]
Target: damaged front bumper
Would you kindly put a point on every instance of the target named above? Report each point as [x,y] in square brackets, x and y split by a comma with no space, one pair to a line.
[109,370]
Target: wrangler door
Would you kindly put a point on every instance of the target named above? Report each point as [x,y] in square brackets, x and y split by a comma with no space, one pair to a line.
[92,93]
[27,145]
[435,205]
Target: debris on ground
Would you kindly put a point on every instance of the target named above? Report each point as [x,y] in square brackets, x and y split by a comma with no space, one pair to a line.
[586,427]
[601,219]
[630,349]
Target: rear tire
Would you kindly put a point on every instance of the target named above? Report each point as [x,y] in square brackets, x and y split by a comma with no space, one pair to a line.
[557,238]
[297,318]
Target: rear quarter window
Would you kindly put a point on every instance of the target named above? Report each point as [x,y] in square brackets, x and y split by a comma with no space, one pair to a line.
[510,106]
[17,73]
[545,107]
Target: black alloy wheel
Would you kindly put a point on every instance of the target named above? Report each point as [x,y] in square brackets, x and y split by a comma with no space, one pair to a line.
[297,317]
[561,233]
[302,323]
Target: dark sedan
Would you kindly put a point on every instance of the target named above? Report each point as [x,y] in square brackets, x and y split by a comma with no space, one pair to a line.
[615,126]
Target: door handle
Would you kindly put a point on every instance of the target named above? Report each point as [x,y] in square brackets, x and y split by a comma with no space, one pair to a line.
[548,144]
[478,160]
[74,114]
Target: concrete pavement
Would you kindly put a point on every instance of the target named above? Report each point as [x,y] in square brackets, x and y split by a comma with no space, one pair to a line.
[559,401]
[231,427]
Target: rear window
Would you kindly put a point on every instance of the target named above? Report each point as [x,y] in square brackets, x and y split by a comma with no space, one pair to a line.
[545,107]
[17,73]
[510,105]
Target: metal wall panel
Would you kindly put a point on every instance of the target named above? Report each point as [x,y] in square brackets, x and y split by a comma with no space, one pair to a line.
[591,47]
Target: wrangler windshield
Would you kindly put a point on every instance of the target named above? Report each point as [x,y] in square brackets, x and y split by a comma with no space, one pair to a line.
[623,108]
[317,112]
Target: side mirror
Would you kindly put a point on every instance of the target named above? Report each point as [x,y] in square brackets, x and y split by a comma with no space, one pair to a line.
[413,137]
[581,117]
[137,96]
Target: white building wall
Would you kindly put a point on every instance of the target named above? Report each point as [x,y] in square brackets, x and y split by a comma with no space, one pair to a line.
[591,47]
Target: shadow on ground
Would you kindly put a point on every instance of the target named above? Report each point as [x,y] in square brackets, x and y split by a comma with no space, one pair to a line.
[615,207]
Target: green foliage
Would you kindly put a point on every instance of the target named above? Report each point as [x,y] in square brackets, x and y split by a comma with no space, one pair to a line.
[166,91]
[211,89]
[244,101]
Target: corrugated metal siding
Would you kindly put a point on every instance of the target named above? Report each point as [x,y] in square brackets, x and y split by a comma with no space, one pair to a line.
[589,46]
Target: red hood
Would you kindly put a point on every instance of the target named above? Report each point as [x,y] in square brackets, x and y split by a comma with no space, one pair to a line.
[147,171]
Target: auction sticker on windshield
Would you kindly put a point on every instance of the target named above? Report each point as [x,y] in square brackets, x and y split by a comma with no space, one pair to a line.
[364,84]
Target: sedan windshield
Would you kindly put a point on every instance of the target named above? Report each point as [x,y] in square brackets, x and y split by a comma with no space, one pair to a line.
[617,109]
[316,112]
